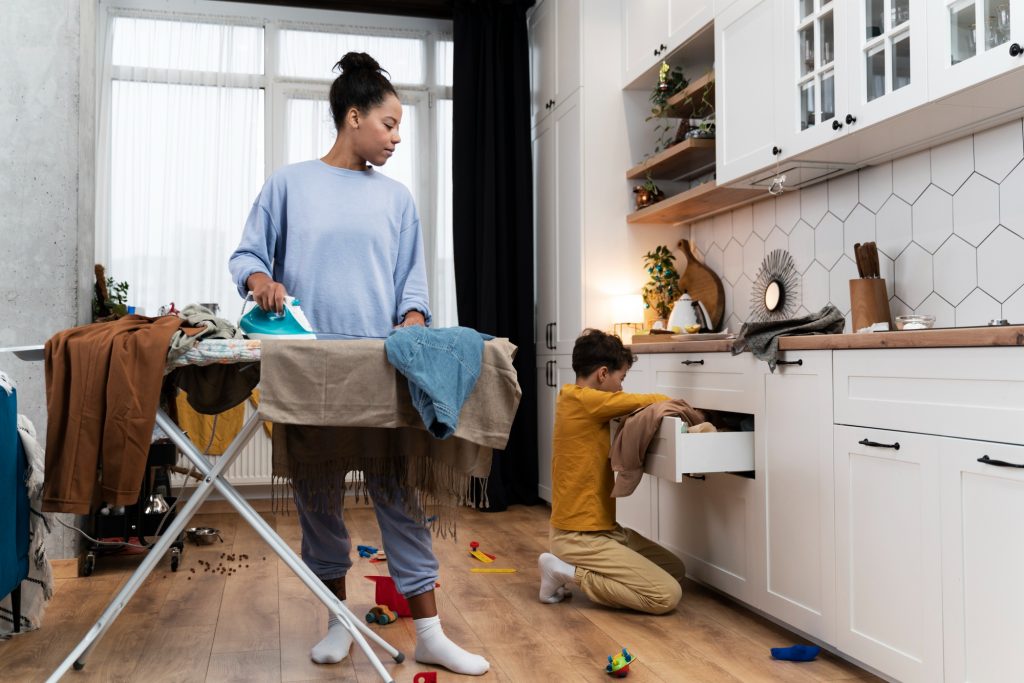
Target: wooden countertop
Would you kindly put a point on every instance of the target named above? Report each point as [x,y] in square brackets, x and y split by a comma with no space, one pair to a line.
[1006,335]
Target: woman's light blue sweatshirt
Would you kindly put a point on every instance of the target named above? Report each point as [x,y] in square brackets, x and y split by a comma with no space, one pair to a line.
[346,243]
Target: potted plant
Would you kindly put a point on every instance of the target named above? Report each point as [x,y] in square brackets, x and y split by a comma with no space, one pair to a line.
[670,82]
[662,290]
[648,193]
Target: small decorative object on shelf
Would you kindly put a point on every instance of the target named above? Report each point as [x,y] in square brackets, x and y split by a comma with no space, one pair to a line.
[775,293]
[670,82]
[662,290]
[647,194]
[109,298]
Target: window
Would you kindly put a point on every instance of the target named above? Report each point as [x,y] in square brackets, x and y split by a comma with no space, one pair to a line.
[197,109]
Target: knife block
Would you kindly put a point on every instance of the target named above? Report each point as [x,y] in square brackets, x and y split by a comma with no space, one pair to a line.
[869,302]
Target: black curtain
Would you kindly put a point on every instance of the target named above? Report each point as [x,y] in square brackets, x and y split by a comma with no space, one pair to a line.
[493,211]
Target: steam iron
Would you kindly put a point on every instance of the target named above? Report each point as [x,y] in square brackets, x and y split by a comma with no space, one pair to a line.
[289,324]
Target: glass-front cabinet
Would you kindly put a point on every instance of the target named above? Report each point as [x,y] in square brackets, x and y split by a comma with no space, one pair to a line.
[972,41]
[890,43]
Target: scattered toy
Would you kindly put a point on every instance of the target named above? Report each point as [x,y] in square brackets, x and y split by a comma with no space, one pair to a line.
[618,665]
[366,550]
[425,677]
[796,653]
[380,615]
[474,551]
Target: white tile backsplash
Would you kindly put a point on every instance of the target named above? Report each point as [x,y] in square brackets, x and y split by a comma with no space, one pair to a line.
[949,224]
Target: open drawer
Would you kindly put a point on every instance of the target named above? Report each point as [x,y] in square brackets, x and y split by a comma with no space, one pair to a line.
[673,452]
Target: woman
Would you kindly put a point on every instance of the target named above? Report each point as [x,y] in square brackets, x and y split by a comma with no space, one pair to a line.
[346,241]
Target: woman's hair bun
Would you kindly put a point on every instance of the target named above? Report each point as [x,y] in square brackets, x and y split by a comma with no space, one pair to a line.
[354,61]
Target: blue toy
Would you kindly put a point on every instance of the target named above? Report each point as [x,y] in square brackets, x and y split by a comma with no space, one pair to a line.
[796,653]
[366,550]
[618,664]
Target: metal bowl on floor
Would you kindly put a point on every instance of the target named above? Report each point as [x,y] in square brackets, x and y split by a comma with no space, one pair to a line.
[203,535]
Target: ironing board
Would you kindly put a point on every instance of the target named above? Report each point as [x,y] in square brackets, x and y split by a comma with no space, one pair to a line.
[209,352]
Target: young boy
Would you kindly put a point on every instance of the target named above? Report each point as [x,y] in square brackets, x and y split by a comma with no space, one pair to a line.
[613,566]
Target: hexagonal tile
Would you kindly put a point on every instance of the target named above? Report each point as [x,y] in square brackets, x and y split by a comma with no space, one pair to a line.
[814,287]
[787,210]
[839,283]
[802,311]
[945,315]
[892,226]
[859,227]
[933,218]
[741,298]
[999,264]
[914,275]
[1011,200]
[814,203]
[742,223]
[1013,308]
[952,163]
[764,217]
[753,253]
[976,209]
[714,259]
[828,240]
[733,265]
[733,324]
[727,304]
[977,309]
[722,226]
[842,195]
[911,175]
[875,185]
[897,307]
[703,234]
[998,150]
[887,271]
[955,270]
[801,245]
[776,240]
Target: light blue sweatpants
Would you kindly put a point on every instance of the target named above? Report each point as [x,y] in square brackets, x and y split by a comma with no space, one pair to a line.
[326,544]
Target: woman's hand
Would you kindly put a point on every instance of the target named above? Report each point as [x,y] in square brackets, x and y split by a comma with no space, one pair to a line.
[269,295]
[413,318]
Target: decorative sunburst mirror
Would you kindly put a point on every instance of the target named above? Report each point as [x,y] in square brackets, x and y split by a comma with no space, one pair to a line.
[776,291]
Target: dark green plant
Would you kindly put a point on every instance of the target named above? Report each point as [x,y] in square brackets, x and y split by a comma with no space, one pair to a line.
[670,82]
[110,298]
[662,290]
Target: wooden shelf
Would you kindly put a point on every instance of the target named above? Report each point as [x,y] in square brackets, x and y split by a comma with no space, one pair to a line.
[682,160]
[694,203]
[684,103]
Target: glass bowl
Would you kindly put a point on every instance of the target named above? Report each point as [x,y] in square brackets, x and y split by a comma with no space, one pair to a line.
[914,322]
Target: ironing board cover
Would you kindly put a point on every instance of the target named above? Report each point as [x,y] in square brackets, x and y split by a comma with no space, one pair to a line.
[214,351]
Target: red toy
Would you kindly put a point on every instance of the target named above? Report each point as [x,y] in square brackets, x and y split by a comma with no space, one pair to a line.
[387,594]
[618,664]
[425,677]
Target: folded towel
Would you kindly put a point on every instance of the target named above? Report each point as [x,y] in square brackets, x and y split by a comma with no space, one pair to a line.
[762,338]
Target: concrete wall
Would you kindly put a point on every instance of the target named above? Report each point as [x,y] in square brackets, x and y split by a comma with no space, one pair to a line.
[47,122]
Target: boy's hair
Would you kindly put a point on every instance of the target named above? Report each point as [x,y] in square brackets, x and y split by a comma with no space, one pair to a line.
[595,348]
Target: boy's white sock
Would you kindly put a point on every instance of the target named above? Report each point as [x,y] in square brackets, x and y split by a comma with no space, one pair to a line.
[335,645]
[434,647]
[554,574]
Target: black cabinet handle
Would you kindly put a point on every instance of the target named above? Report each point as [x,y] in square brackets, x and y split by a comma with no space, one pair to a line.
[850,118]
[1016,50]
[776,151]
[547,105]
[552,103]
[692,362]
[663,48]
[875,444]
[554,336]
[836,125]
[547,335]
[985,460]
[798,361]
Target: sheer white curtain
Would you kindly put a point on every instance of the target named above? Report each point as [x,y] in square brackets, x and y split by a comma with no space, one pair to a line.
[181,154]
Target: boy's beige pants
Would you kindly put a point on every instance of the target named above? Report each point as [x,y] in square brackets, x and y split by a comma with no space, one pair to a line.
[621,568]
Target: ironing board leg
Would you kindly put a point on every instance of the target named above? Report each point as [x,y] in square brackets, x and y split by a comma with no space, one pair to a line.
[155,554]
[350,621]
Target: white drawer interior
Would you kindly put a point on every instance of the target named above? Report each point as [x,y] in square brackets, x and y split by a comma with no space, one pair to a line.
[674,453]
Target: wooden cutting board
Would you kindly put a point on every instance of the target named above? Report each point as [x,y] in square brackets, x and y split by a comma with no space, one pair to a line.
[703,285]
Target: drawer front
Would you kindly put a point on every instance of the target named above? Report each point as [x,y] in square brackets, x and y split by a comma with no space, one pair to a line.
[673,453]
[714,381]
[972,393]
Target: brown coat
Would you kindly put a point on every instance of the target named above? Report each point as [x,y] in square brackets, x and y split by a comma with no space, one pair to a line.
[102,392]
[634,436]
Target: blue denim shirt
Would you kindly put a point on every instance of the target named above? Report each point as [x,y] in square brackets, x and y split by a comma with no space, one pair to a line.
[442,366]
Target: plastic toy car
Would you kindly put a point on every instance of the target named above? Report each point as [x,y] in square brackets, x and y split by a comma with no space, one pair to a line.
[380,614]
[618,664]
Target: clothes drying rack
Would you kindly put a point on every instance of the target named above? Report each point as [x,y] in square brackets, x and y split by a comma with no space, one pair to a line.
[214,480]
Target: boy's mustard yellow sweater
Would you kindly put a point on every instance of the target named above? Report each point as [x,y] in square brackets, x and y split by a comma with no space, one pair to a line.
[580,472]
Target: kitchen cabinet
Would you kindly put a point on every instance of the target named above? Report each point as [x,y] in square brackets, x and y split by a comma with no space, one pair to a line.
[554,31]
[888,551]
[983,553]
[973,41]
[796,471]
[552,373]
[639,510]
[653,29]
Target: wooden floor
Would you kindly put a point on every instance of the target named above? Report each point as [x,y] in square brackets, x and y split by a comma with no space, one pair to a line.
[258,623]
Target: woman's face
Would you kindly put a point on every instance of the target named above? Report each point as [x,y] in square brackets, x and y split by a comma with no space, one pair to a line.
[376,131]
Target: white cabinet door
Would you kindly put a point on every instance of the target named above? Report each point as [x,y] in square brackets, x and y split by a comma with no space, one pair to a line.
[639,510]
[644,36]
[552,373]
[712,381]
[795,436]
[554,31]
[685,18]
[972,41]
[568,74]
[888,555]
[544,235]
[983,549]
[567,184]
[746,39]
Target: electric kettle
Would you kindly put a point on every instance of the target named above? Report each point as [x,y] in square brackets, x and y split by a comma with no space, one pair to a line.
[686,312]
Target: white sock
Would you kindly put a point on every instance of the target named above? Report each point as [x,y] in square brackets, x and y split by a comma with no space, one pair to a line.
[554,574]
[434,647]
[335,645]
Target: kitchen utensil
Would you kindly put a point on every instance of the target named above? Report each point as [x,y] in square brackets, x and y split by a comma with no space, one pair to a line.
[683,314]
[914,322]
[703,285]
[858,257]
[872,252]
[869,302]
[203,535]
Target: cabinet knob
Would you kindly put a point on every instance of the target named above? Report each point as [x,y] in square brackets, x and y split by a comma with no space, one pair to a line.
[656,52]
[836,125]
[663,48]
[776,151]
[1016,50]
[850,118]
